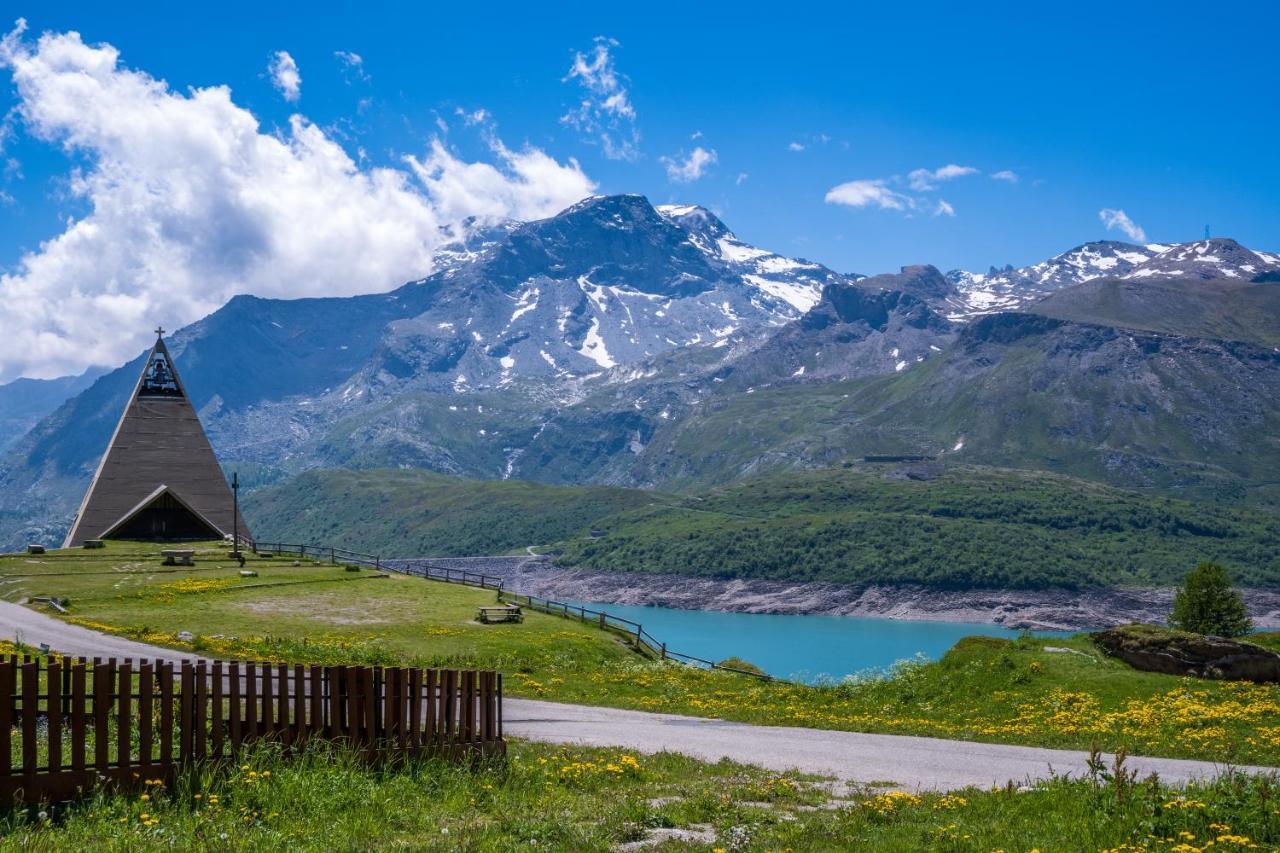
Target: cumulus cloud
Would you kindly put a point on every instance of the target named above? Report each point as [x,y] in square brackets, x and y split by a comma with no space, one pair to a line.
[604,113]
[943,208]
[1118,220]
[690,168]
[923,180]
[1005,175]
[525,184]
[191,202]
[285,76]
[795,146]
[868,193]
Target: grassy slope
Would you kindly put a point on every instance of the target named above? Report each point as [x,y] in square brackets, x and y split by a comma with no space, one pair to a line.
[314,612]
[555,798]
[974,526]
[971,527]
[419,513]
[1228,310]
[1074,400]
[984,689]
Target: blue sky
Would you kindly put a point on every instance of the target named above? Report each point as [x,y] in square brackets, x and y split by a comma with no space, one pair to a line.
[1167,112]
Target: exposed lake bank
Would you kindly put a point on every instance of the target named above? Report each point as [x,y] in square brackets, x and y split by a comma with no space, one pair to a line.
[1050,609]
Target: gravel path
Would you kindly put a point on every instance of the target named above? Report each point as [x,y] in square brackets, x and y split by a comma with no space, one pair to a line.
[907,762]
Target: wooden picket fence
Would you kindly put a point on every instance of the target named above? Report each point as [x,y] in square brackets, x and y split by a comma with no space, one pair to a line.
[67,725]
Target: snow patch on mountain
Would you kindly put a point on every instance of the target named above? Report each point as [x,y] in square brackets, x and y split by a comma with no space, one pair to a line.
[1009,289]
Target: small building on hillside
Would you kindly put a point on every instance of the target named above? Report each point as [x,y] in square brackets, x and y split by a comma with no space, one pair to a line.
[159,478]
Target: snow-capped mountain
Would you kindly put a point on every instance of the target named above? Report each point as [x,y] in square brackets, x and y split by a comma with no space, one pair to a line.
[1219,258]
[617,342]
[1009,289]
[608,282]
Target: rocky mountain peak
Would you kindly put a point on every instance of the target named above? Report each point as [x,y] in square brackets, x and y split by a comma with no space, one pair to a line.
[612,241]
[1216,258]
[922,280]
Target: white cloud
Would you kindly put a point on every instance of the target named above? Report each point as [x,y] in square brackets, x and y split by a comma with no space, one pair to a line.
[867,193]
[285,76]
[885,193]
[526,184]
[352,63]
[742,176]
[1005,175]
[1118,220]
[795,146]
[693,167]
[478,116]
[191,202]
[923,180]
[605,112]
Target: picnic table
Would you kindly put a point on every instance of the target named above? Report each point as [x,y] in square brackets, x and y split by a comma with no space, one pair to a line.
[178,557]
[499,613]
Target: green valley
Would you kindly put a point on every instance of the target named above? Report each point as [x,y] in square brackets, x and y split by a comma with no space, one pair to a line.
[944,526]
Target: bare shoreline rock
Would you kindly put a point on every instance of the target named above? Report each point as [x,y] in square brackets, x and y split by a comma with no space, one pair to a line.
[1045,609]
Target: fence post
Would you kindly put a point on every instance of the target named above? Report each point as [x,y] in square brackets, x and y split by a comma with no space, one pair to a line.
[664,651]
[53,706]
[333,558]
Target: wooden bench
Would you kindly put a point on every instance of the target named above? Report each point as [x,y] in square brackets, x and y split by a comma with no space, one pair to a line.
[499,613]
[178,557]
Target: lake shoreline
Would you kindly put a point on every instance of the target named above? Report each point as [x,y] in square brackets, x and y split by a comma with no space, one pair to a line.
[1043,610]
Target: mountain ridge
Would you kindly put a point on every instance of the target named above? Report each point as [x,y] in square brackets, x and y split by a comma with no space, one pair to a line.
[602,345]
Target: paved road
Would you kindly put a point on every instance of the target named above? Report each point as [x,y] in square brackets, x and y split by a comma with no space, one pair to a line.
[909,762]
[34,628]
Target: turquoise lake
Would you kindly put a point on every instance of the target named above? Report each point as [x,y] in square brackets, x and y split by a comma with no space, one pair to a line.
[802,648]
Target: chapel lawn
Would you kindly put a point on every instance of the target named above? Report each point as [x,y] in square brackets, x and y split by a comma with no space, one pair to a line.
[571,799]
[315,612]
[1051,692]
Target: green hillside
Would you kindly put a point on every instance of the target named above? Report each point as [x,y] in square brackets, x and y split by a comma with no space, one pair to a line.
[1226,310]
[1184,417]
[420,514]
[971,526]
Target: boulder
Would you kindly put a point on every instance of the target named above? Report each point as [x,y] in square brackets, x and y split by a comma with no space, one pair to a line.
[1154,649]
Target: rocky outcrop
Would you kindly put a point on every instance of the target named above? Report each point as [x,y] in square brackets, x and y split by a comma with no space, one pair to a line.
[1155,649]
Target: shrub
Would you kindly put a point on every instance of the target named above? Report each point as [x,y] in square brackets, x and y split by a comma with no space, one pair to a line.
[740,664]
[1206,604]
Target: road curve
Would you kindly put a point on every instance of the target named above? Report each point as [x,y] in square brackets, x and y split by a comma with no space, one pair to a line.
[912,763]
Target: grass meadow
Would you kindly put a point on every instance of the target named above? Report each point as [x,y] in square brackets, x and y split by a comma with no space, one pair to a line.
[1058,692]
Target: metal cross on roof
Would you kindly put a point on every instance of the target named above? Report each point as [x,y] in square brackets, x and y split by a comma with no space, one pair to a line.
[159,331]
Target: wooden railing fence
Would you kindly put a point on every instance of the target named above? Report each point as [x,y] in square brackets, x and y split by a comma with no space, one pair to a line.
[424,569]
[68,724]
